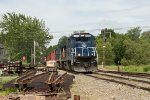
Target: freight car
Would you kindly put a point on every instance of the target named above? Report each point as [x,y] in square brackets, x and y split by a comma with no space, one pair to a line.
[51,64]
[78,53]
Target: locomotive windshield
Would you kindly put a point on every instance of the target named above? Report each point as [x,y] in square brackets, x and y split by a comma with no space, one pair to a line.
[82,39]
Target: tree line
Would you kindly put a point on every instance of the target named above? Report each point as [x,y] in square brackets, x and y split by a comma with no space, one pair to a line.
[17,33]
[130,48]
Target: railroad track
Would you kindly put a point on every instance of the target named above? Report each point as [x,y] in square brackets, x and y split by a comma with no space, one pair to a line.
[49,84]
[140,75]
[129,79]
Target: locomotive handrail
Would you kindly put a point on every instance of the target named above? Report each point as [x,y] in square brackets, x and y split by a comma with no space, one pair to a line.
[94,50]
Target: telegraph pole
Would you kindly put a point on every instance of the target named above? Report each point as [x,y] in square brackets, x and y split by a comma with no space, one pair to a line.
[104,32]
[34,52]
[103,62]
[31,56]
[103,47]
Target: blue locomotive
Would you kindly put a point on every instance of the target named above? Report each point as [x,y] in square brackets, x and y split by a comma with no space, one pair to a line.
[78,53]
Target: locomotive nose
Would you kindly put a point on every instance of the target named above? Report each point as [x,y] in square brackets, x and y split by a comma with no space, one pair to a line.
[86,65]
[84,45]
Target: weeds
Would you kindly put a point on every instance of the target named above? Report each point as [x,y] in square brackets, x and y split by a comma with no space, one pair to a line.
[131,68]
[6,91]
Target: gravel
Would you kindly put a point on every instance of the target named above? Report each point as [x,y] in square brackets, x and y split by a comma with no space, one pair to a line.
[90,88]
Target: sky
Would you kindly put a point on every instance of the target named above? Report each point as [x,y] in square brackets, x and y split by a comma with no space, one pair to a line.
[62,17]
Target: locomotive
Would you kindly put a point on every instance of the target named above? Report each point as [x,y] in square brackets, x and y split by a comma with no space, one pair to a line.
[77,54]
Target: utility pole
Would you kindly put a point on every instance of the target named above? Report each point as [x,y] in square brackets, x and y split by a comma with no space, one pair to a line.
[104,32]
[104,40]
[103,61]
[31,57]
[34,52]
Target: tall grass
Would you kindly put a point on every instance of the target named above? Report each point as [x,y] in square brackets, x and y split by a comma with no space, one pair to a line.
[141,68]
[6,91]
[131,68]
[4,80]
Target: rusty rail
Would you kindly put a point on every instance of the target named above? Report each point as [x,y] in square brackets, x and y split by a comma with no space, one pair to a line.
[133,74]
[19,79]
[60,79]
[53,80]
[32,78]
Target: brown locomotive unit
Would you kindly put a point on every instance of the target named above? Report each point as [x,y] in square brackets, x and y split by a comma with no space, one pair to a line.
[77,54]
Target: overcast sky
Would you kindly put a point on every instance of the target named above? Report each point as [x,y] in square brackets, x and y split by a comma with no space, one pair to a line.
[64,16]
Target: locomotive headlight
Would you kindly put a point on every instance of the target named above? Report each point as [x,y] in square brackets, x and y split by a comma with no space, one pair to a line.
[78,54]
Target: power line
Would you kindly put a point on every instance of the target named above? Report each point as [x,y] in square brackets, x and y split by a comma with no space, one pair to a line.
[99,29]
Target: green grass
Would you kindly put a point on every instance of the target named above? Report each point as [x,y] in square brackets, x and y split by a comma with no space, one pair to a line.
[131,68]
[142,68]
[6,91]
[5,79]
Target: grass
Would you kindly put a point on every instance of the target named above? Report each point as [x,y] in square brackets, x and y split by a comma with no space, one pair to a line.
[4,80]
[142,68]
[131,68]
[6,91]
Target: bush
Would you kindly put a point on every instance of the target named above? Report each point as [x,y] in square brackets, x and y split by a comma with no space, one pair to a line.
[126,62]
[147,68]
[6,91]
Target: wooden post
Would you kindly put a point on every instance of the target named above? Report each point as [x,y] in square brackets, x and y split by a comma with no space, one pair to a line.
[118,68]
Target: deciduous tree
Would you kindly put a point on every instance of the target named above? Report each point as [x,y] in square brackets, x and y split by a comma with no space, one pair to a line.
[19,32]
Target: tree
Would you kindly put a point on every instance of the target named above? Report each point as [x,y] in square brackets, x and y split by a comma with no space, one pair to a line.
[134,33]
[19,31]
[118,47]
[62,40]
[146,36]
[136,53]
[99,46]
[104,50]
[49,49]
[106,34]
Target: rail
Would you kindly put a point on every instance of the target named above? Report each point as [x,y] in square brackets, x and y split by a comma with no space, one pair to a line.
[19,79]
